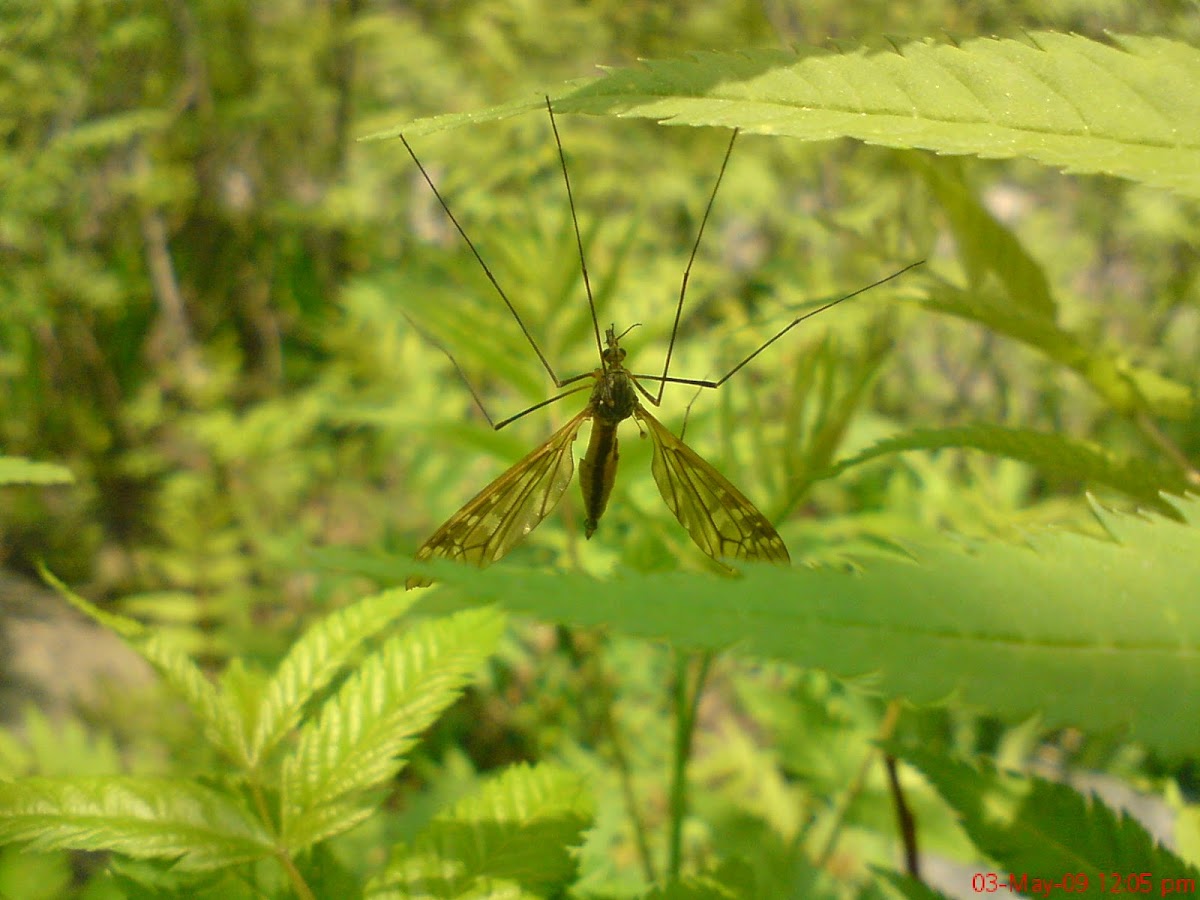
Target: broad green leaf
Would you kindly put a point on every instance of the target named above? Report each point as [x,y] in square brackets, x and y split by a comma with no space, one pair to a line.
[1129,108]
[147,818]
[363,731]
[1092,633]
[316,658]
[1041,829]
[1052,454]
[18,470]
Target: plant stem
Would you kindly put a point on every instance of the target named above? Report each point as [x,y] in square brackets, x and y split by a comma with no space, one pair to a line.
[686,704]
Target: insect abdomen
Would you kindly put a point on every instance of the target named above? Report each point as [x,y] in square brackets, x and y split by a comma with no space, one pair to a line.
[597,472]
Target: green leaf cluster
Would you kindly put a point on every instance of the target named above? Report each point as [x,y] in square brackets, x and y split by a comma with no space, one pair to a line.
[204,285]
[307,751]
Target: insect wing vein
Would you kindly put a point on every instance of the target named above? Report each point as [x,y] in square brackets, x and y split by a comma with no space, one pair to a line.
[722,522]
[500,515]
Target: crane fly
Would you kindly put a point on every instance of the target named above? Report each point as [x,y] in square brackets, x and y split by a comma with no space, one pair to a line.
[718,517]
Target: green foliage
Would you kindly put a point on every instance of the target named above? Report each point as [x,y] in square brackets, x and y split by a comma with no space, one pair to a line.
[911,888]
[201,284]
[993,625]
[371,723]
[33,876]
[147,818]
[59,748]
[1062,100]
[1052,454]
[511,837]
[1048,833]
[325,783]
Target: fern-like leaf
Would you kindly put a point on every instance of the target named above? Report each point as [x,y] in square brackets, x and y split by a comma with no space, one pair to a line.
[364,730]
[316,658]
[146,818]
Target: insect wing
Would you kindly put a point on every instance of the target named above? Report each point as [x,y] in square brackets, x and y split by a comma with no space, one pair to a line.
[509,508]
[722,522]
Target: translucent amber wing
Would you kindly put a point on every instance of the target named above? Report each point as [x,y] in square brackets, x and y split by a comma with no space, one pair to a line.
[722,522]
[509,508]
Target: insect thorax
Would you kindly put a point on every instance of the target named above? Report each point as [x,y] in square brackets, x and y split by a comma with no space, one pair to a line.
[614,397]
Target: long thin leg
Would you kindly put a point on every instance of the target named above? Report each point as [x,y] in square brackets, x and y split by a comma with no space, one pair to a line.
[486,271]
[705,383]
[575,390]
[587,284]
[496,426]
[687,272]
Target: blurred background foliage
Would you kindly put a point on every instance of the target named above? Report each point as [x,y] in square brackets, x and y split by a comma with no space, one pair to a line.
[202,276]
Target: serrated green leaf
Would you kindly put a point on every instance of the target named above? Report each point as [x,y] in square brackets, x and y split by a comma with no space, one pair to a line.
[516,829]
[222,718]
[1129,108]
[1052,454]
[364,730]
[18,470]
[147,818]
[65,746]
[120,625]
[518,826]
[434,124]
[315,659]
[1043,829]
[1091,633]
[311,825]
